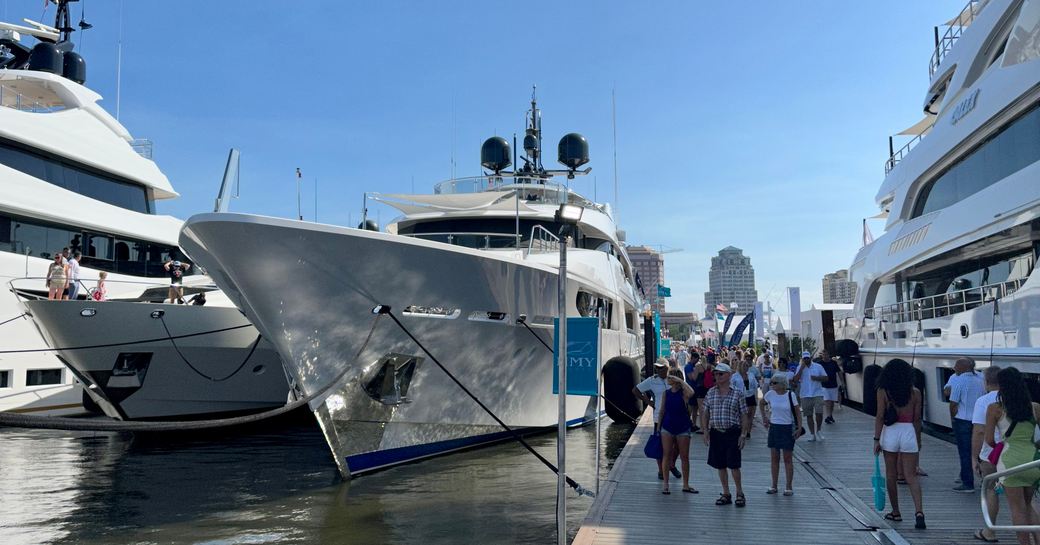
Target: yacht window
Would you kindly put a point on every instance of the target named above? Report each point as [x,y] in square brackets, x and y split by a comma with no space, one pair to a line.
[42,377]
[76,179]
[1015,147]
[36,239]
[479,233]
[5,379]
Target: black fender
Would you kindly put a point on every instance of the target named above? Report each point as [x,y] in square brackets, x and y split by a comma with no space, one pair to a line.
[620,375]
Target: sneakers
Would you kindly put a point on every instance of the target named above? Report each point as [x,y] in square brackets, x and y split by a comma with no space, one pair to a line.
[829,420]
[964,489]
[676,473]
[812,438]
[819,435]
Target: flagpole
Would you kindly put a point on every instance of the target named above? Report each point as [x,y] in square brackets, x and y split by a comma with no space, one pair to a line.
[299,183]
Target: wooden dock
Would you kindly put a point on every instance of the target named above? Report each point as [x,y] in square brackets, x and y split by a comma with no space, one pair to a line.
[832,504]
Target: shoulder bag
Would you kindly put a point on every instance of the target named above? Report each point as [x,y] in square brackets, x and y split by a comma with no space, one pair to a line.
[794,416]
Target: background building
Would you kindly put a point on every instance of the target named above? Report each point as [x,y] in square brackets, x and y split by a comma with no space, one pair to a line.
[837,289]
[649,264]
[731,279]
[680,325]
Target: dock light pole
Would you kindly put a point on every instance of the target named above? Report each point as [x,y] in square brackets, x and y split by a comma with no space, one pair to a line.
[567,216]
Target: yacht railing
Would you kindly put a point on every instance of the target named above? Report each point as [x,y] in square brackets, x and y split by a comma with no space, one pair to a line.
[152,291]
[542,240]
[953,32]
[989,482]
[897,156]
[479,241]
[944,304]
[531,190]
[9,98]
[143,147]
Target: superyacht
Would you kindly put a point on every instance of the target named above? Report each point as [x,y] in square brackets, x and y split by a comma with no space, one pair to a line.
[471,272]
[954,272]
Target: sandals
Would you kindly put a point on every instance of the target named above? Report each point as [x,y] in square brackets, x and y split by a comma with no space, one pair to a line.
[742,501]
[724,499]
[919,521]
[771,490]
[691,490]
[979,535]
[894,517]
[666,491]
[789,492]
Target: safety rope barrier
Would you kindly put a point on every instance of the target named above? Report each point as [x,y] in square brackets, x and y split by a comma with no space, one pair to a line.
[581,490]
[200,373]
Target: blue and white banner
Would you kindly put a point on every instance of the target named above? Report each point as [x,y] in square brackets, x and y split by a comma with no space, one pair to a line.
[739,332]
[582,357]
[725,328]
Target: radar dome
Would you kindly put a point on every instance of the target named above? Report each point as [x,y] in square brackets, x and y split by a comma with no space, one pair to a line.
[495,154]
[573,150]
[368,225]
[74,67]
[45,57]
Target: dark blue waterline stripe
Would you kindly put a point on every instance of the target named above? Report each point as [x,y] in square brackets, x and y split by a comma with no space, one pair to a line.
[369,461]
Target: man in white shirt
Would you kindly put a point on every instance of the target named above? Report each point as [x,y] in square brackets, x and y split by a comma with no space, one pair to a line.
[74,275]
[656,386]
[810,377]
[682,358]
[964,392]
[980,449]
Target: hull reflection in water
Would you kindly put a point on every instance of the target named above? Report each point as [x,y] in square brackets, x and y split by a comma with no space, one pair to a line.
[108,489]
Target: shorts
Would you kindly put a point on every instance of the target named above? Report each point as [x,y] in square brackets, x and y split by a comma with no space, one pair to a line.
[752,401]
[723,449]
[899,437]
[830,394]
[687,433]
[699,392]
[781,436]
[57,283]
[811,405]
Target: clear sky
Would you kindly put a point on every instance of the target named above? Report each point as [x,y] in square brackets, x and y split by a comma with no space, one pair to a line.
[761,125]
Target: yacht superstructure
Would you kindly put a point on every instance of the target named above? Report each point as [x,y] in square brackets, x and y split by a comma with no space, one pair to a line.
[465,269]
[954,272]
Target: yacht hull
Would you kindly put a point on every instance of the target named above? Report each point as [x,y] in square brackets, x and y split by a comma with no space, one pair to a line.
[315,303]
[212,373]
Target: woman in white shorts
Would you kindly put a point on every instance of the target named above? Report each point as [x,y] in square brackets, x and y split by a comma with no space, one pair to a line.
[897,433]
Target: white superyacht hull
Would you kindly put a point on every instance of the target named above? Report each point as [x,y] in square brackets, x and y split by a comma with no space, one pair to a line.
[230,371]
[317,311]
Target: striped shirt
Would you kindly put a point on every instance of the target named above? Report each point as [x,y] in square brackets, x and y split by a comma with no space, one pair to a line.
[725,411]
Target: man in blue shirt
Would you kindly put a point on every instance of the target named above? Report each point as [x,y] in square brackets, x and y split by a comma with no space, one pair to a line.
[966,387]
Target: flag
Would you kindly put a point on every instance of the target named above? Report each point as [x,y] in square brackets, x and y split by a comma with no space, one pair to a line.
[729,320]
[721,308]
[738,333]
[719,316]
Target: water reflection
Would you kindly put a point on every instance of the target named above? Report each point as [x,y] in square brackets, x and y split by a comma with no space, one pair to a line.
[278,485]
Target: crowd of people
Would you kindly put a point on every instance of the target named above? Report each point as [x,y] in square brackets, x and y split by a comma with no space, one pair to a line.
[63,279]
[716,394]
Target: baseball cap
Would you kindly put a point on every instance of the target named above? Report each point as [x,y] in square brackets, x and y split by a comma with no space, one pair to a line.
[723,368]
[661,362]
[806,354]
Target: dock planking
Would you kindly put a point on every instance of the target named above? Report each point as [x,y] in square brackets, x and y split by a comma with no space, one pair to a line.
[833,500]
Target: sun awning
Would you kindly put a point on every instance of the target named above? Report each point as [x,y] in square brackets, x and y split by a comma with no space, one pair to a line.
[920,127]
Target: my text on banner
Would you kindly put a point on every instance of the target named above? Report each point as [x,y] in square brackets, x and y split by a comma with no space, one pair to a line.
[582,357]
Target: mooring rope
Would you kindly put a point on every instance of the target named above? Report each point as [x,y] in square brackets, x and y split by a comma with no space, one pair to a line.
[581,490]
[127,343]
[13,319]
[200,373]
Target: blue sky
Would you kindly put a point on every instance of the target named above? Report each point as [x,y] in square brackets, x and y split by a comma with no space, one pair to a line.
[761,125]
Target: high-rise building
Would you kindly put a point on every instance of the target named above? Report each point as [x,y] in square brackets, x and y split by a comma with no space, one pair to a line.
[731,279]
[838,289]
[649,264]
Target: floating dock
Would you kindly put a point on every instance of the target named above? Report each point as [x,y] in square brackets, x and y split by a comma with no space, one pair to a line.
[832,502]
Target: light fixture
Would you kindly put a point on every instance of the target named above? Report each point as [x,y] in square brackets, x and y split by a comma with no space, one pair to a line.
[569,214]
[88,312]
[381,309]
[158,313]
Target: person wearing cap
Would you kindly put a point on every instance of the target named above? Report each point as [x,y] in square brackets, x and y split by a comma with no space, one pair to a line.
[810,377]
[655,386]
[725,416]
[781,417]
[693,371]
[176,270]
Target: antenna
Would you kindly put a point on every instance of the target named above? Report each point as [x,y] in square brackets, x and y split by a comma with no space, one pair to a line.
[613,122]
[119,60]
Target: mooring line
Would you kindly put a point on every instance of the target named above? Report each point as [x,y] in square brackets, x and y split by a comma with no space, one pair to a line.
[581,490]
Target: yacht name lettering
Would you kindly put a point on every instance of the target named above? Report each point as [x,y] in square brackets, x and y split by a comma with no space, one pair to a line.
[965,106]
[581,362]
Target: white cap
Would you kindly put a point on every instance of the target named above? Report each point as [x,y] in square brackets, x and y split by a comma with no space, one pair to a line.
[806,354]
[723,368]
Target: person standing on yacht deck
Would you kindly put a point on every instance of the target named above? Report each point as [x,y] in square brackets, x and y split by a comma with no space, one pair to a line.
[725,418]
[965,390]
[56,278]
[74,275]
[176,270]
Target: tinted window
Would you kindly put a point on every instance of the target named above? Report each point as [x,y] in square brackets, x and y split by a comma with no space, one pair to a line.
[1012,149]
[76,179]
[42,377]
[5,379]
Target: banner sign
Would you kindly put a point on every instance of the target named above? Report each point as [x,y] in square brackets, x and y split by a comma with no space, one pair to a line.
[582,357]
[666,348]
[759,319]
[794,298]
[725,328]
[738,333]
[663,291]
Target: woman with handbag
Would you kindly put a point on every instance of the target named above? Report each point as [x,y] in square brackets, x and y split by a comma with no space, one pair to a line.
[784,422]
[1015,415]
[897,432]
[676,428]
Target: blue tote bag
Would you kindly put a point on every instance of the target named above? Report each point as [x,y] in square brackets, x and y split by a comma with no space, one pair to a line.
[878,480]
[653,448]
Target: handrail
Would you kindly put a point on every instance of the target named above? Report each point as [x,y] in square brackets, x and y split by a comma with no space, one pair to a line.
[547,241]
[944,304]
[453,235]
[9,98]
[903,151]
[987,481]
[953,32]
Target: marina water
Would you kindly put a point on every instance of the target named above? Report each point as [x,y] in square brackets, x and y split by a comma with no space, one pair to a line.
[280,485]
